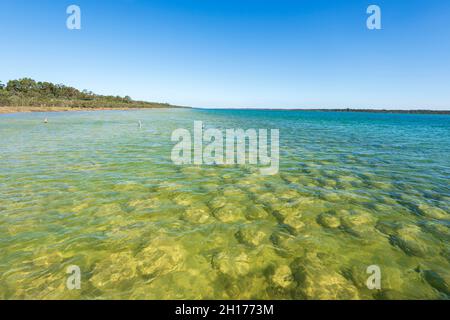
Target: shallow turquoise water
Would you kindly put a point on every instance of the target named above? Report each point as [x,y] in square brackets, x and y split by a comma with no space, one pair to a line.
[93,189]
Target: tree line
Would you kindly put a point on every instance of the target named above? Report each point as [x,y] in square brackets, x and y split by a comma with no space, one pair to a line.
[27,92]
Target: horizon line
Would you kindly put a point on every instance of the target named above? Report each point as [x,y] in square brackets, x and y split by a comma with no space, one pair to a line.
[375,110]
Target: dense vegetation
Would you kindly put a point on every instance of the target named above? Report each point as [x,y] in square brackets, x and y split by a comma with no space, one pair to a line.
[30,93]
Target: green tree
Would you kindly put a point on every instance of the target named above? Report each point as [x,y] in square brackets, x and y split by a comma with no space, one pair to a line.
[28,92]
[4,96]
[25,86]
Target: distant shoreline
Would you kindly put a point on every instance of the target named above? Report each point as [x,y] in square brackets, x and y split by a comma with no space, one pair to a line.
[443,112]
[12,110]
[28,95]
[382,111]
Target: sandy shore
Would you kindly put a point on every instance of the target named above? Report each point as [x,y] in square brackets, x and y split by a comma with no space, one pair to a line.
[6,110]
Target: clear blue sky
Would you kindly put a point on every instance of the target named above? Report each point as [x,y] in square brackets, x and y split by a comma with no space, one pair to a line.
[227,53]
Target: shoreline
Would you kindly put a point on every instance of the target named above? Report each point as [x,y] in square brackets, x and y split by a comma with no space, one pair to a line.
[380,111]
[13,110]
[393,111]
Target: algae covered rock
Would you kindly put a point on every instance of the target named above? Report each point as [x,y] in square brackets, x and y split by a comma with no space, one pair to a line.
[332,286]
[282,210]
[357,218]
[294,223]
[446,253]
[218,202]
[268,199]
[186,199]
[329,220]
[437,281]
[411,240]
[233,263]
[360,224]
[160,257]
[146,205]
[399,283]
[230,213]
[317,282]
[114,270]
[235,194]
[256,212]
[433,212]
[252,235]
[357,274]
[288,195]
[439,230]
[332,196]
[283,239]
[282,277]
[387,227]
[197,213]
[192,282]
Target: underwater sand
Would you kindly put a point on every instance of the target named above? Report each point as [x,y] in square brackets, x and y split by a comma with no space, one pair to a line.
[93,189]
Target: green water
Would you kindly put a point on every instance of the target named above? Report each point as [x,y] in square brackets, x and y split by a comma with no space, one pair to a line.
[95,190]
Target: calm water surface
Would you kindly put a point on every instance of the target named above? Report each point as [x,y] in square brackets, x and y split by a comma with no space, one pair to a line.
[95,190]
